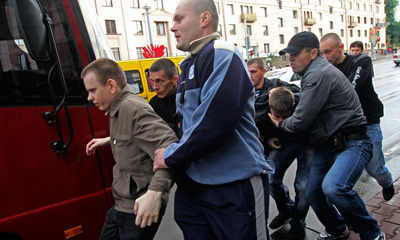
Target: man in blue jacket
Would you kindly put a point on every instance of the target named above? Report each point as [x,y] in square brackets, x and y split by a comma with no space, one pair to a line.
[222,192]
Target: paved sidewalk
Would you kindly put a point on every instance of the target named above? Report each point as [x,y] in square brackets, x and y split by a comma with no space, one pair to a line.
[387,213]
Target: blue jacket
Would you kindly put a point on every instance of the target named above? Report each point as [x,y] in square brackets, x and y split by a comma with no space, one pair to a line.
[220,140]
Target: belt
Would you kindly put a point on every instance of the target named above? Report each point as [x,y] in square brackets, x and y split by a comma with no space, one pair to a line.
[356,136]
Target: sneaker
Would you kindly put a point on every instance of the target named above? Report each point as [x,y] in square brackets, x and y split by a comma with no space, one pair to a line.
[388,192]
[381,236]
[296,234]
[326,236]
[279,221]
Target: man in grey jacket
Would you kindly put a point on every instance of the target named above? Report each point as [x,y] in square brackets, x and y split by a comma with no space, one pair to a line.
[330,111]
[135,133]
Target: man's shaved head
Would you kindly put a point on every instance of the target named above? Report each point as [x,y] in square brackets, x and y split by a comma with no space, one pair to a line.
[332,36]
[200,6]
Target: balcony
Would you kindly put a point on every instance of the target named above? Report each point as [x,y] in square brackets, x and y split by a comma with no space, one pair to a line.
[310,21]
[352,24]
[250,17]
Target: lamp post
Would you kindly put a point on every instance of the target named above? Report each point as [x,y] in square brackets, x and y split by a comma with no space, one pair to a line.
[146,7]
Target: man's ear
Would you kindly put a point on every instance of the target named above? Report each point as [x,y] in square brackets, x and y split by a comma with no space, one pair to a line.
[314,53]
[175,80]
[205,19]
[341,47]
[112,84]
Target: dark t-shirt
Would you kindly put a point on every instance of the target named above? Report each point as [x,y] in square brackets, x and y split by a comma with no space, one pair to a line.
[164,107]
[359,71]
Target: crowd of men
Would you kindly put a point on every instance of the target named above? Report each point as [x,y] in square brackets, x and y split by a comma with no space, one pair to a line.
[210,130]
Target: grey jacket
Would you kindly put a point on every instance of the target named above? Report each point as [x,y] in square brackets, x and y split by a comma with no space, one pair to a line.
[135,133]
[328,102]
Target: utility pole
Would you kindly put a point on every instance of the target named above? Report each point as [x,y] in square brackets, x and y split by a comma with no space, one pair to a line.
[146,7]
[245,36]
[373,54]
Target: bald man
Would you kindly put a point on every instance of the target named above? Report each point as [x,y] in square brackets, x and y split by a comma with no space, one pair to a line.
[359,70]
[222,192]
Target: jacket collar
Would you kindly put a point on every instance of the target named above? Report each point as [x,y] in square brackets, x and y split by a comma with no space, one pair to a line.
[115,105]
[198,44]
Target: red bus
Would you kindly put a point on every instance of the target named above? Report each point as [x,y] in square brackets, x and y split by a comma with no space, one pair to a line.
[49,188]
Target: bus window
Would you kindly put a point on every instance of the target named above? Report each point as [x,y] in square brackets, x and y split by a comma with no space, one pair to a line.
[24,81]
[133,79]
[149,81]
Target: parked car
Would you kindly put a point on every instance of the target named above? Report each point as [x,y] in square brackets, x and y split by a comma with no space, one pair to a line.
[285,74]
[396,58]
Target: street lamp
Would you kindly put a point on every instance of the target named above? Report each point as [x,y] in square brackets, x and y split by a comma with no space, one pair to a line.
[146,7]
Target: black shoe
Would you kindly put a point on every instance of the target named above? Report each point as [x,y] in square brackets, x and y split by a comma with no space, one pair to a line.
[296,234]
[388,193]
[279,221]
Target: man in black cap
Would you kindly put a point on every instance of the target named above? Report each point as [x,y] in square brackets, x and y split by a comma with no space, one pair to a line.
[329,109]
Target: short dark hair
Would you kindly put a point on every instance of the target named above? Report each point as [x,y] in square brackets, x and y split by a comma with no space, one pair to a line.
[281,100]
[170,70]
[357,44]
[257,61]
[104,69]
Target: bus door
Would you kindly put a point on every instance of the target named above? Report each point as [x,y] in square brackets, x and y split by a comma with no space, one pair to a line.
[50,188]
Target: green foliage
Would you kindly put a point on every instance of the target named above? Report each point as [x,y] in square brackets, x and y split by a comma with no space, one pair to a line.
[271,59]
[393,30]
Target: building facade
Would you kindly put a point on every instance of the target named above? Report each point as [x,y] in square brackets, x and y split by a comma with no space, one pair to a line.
[267,25]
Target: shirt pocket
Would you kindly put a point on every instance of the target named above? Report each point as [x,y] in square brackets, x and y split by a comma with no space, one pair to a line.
[120,147]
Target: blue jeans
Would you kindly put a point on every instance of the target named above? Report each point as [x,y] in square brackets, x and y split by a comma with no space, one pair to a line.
[282,159]
[376,167]
[121,226]
[332,178]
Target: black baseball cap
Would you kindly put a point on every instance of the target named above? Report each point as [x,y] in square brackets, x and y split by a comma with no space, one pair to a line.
[300,41]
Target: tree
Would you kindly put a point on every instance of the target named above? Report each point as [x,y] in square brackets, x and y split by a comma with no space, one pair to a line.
[393,30]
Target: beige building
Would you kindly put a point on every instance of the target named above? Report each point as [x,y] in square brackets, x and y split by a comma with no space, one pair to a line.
[269,23]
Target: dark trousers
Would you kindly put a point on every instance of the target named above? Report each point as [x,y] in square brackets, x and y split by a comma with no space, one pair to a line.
[237,210]
[121,226]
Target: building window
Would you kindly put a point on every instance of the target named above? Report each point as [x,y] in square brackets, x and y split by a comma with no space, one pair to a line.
[365,20]
[279,4]
[266,48]
[115,52]
[219,30]
[341,33]
[135,4]
[295,14]
[372,21]
[357,6]
[110,27]
[359,33]
[281,39]
[296,30]
[248,28]
[158,4]
[350,5]
[245,9]
[137,27]
[365,7]
[280,22]
[108,3]
[308,14]
[160,26]
[139,52]
[341,18]
[370,8]
[265,32]
[358,19]
[217,6]
[331,9]
[377,9]
[320,32]
[232,29]
[351,33]
[264,11]
[230,6]
[309,29]
[320,16]
[365,33]
[331,24]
